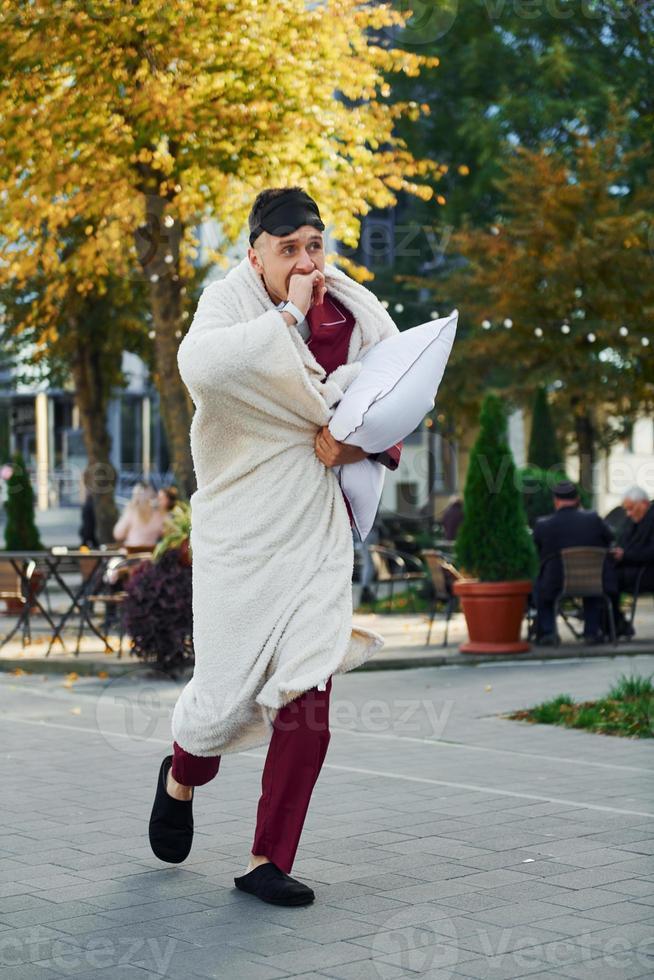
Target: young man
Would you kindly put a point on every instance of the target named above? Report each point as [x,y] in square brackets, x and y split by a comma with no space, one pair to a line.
[270,351]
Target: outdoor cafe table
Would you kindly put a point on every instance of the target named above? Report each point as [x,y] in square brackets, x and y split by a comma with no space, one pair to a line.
[52,560]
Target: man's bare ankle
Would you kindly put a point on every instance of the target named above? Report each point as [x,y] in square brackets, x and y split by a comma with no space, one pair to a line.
[255,861]
[177,790]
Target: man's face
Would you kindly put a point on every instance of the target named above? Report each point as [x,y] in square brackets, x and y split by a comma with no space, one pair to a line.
[635,509]
[277,259]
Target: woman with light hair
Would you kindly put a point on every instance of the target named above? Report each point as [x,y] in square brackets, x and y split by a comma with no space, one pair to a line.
[141,523]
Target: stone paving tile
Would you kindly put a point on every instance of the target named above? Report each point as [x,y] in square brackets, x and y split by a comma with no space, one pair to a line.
[638,887]
[624,966]
[622,912]
[506,966]
[365,970]
[491,940]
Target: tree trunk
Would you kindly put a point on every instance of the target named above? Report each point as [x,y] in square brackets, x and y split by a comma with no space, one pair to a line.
[92,401]
[585,435]
[157,246]
[176,406]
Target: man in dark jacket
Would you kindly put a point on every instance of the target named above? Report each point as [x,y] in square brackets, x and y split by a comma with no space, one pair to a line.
[635,556]
[568,527]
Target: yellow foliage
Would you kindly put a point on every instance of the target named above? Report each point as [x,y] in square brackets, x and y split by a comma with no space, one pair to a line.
[104,105]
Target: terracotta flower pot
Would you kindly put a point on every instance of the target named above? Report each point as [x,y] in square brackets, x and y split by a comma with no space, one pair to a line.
[493,612]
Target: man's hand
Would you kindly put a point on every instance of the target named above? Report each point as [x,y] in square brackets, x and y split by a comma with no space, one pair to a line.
[618,553]
[331,452]
[307,290]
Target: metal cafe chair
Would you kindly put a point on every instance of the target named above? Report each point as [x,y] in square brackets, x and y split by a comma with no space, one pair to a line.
[583,571]
[23,590]
[636,594]
[99,590]
[443,575]
[395,567]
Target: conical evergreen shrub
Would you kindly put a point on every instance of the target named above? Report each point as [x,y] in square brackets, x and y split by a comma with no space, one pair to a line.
[543,452]
[21,532]
[493,543]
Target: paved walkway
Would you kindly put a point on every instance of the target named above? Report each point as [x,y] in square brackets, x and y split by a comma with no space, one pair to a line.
[443,841]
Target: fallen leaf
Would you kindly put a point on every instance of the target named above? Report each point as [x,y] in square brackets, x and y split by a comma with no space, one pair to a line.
[103,674]
[72,676]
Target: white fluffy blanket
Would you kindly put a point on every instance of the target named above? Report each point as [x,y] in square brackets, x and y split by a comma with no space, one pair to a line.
[271,540]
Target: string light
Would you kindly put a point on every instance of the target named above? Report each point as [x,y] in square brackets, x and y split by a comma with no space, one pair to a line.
[623,331]
[591,338]
[399,308]
[644,341]
[538,331]
[486,324]
[565,328]
[434,314]
[508,323]
[384,303]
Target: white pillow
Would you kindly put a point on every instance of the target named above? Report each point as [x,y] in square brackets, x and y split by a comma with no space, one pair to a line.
[396,388]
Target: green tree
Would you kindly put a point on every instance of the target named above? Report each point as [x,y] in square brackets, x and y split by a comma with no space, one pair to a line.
[543,451]
[493,543]
[521,73]
[21,532]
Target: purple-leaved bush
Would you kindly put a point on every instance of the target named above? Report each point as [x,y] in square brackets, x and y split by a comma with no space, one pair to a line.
[158,611]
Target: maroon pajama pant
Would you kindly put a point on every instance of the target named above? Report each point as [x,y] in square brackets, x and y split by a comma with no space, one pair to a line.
[295,756]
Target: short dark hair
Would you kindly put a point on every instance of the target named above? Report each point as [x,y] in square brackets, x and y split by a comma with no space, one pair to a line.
[262,198]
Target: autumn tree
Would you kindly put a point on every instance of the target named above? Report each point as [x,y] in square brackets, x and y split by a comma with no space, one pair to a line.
[145,120]
[560,291]
[92,331]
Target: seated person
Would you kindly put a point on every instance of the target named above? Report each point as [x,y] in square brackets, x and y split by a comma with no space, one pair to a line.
[141,523]
[635,553]
[567,527]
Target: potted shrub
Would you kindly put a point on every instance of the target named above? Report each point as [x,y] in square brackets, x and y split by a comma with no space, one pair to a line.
[494,549]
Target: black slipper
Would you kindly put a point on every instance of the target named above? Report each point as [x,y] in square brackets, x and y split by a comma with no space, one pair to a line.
[270,884]
[171,821]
